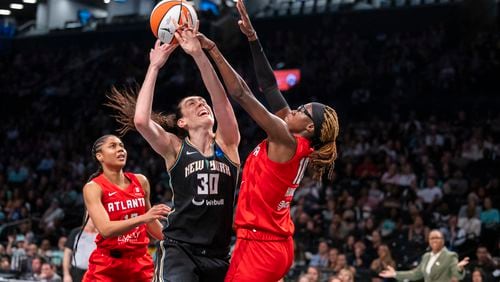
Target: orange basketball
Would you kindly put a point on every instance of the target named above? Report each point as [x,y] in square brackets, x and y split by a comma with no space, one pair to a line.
[167,11]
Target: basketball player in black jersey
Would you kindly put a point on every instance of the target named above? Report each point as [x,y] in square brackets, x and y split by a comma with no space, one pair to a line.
[203,167]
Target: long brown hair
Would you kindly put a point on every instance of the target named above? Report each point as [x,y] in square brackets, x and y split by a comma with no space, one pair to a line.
[123,101]
[323,158]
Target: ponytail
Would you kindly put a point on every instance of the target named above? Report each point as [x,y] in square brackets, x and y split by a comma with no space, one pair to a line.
[124,102]
[323,158]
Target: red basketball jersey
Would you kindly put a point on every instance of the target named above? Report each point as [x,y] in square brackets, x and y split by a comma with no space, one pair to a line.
[122,204]
[267,188]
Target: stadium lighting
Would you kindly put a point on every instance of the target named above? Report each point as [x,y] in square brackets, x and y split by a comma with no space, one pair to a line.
[16,6]
[29,1]
[106,1]
[4,12]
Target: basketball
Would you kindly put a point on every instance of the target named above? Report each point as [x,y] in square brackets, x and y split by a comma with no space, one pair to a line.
[167,11]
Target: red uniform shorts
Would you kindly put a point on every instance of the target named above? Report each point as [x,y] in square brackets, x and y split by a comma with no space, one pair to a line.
[103,266]
[260,256]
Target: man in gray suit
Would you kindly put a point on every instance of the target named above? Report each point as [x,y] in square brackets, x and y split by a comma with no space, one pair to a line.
[437,265]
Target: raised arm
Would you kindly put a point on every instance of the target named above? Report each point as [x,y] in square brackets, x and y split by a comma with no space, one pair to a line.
[227,127]
[164,143]
[263,71]
[92,194]
[154,227]
[282,143]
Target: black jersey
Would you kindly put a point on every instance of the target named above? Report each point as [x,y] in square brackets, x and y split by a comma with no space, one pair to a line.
[203,197]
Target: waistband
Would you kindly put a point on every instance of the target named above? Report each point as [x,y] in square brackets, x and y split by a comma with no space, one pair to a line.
[122,253]
[254,234]
[198,250]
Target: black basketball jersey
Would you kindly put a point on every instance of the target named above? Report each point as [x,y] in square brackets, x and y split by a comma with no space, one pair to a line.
[203,197]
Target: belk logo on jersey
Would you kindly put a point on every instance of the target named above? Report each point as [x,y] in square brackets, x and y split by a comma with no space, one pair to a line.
[130,237]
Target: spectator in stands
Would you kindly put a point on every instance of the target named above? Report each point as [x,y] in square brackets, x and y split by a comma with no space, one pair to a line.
[478,276]
[314,274]
[483,261]
[471,205]
[346,275]
[48,273]
[391,176]
[320,259]
[358,259]
[379,264]
[417,234]
[35,269]
[4,264]
[431,193]
[52,217]
[57,254]
[454,235]
[472,228]
[17,252]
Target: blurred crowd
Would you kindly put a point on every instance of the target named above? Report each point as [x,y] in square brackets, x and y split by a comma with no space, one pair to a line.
[419,144]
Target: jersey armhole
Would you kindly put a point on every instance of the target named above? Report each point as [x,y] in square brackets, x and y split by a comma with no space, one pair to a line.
[179,154]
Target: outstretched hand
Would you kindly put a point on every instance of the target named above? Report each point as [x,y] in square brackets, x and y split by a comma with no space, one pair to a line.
[463,263]
[244,22]
[186,36]
[388,273]
[160,53]
[157,212]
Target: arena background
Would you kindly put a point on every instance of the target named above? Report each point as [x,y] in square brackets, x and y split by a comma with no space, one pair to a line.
[415,83]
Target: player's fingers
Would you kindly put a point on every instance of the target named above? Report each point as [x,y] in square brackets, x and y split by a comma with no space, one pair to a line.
[157,43]
[178,37]
[185,21]
[243,8]
[174,23]
[238,6]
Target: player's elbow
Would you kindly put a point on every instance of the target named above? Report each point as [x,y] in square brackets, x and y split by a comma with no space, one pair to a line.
[140,122]
[238,93]
[108,233]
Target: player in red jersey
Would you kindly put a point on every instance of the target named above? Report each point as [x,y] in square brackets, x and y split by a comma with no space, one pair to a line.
[296,140]
[118,204]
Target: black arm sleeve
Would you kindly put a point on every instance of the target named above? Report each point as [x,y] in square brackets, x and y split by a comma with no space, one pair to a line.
[266,79]
[70,243]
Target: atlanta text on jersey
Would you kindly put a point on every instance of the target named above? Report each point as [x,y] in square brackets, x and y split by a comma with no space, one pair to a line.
[125,205]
